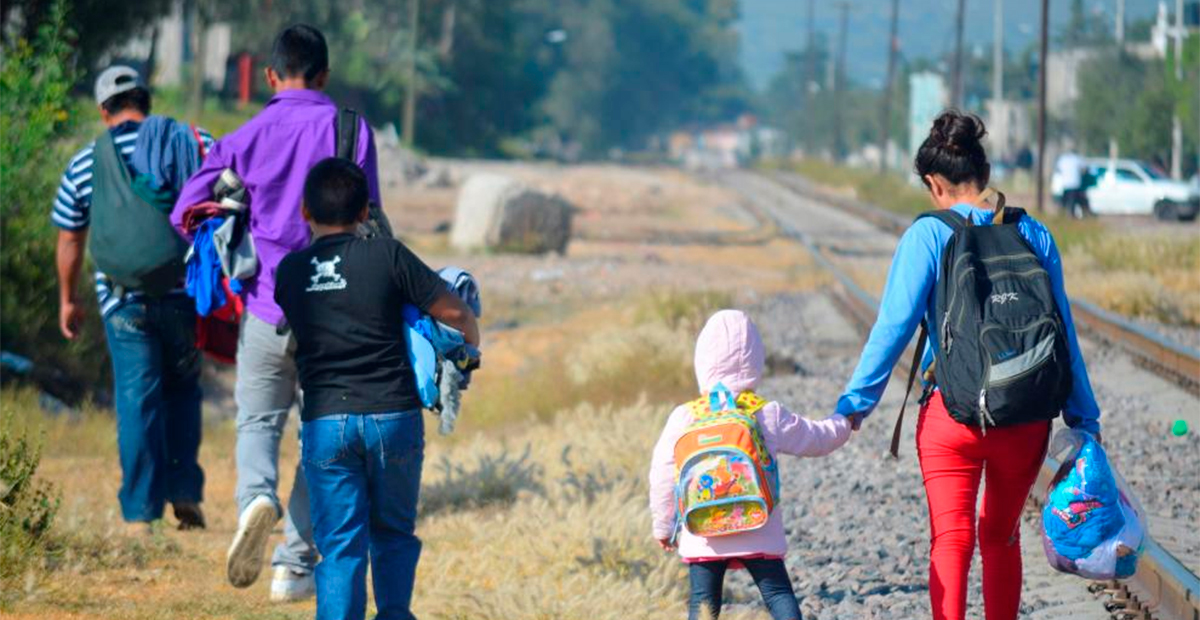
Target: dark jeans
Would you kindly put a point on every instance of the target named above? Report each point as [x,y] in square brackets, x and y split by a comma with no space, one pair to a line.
[771,577]
[364,475]
[1075,201]
[156,373]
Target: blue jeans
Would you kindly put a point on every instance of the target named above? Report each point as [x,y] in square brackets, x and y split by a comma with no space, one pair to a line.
[771,577]
[156,373]
[364,474]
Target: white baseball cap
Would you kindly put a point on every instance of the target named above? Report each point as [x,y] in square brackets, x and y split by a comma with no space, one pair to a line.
[116,80]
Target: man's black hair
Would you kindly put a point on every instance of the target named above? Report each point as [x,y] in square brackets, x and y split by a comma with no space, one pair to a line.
[300,51]
[135,99]
[335,192]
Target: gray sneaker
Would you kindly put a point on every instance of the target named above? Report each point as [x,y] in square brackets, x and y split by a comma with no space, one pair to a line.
[244,561]
[289,586]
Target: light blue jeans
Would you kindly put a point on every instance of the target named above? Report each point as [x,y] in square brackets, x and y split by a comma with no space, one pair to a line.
[364,476]
[266,390]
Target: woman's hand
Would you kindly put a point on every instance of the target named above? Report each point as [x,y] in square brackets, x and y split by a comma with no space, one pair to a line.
[855,420]
[666,545]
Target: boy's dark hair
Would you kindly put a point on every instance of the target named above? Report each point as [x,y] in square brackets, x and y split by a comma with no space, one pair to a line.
[335,192]
[954,149]
[300,51]
[134,99]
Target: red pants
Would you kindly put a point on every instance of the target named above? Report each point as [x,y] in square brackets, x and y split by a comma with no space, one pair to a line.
[953,458]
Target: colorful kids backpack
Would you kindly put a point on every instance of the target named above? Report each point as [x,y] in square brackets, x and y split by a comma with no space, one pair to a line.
[726,481]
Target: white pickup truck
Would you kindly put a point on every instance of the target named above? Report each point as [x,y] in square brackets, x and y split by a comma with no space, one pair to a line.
[1131,187]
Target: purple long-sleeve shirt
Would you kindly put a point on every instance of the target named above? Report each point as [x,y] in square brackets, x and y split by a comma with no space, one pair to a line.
[273,153]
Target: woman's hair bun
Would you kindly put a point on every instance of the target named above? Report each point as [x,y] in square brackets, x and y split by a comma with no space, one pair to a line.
[954,149]
[956,131]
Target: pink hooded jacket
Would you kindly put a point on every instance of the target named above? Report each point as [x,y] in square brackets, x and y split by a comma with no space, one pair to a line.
[730,351]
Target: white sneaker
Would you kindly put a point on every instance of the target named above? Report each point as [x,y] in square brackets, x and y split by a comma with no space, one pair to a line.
[289,586]
[244,561]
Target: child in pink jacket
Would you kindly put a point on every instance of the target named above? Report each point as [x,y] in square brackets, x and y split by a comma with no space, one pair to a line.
[730,351]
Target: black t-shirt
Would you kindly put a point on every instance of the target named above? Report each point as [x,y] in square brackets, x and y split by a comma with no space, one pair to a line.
[342,297]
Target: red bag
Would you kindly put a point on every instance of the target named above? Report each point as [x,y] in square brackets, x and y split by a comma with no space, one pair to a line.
[217,333]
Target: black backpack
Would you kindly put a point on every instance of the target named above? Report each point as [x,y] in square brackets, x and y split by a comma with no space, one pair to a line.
[1003,357]
[377,224]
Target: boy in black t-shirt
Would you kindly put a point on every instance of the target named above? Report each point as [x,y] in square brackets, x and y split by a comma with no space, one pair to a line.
[362,435]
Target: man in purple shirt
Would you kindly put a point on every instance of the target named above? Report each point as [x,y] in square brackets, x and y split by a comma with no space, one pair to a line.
[273,153]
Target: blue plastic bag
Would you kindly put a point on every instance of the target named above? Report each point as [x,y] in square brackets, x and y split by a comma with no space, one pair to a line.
[1091,525]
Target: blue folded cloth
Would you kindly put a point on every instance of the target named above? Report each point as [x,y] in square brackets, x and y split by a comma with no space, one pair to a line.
[204,269]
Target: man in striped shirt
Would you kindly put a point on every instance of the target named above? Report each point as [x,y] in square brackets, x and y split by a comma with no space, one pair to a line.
[151,340]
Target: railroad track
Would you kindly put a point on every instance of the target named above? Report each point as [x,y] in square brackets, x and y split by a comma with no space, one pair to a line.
[1163,588]
[1174,362]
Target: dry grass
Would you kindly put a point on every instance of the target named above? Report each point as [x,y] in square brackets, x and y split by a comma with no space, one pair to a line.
[571,541]
[548,521]
[1148,275]
[612,354]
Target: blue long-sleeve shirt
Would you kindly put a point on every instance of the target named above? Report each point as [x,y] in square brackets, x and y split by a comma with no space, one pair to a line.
[908,296]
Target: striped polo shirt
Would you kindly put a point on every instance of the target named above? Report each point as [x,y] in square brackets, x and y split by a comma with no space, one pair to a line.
[73,203]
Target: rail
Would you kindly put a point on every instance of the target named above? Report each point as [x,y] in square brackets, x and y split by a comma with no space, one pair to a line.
[1175,362]
[1162,587]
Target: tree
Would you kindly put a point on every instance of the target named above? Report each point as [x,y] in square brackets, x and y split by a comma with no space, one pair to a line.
[36,113]
[95,25]
[1130,100]
[1084,29]
[633,68]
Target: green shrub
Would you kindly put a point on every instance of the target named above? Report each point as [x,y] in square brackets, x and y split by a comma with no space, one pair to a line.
[27,509]
[36,115]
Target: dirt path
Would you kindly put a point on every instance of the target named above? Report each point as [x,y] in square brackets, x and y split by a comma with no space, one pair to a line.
[641,232]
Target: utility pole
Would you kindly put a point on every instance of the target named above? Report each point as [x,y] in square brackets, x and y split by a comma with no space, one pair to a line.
[199,43]
[1120,23]
[888,88]
[1041,153]
[812,46]
[839,85]
[410,95]
[998,52]
[1176,125]
[956,85]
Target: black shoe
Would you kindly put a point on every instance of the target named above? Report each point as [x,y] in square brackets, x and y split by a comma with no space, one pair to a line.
[190,516]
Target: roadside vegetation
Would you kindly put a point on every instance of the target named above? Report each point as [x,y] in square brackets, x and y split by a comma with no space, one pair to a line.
[535,508]
[1146,274]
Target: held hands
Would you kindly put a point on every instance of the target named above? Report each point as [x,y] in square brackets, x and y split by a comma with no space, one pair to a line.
[855,420]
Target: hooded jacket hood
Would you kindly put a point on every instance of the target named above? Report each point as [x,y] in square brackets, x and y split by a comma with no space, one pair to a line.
[730,351]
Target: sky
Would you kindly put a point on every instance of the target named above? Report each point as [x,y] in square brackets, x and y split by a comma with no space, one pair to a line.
[769,28]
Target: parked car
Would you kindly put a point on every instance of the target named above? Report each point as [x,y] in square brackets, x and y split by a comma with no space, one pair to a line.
[1131,187]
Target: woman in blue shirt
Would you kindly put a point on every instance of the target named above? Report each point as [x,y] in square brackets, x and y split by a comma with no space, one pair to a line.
[954,167]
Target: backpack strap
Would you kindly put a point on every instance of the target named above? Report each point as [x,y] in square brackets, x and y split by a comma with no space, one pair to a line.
[746,402]
[918,354]
[949,217]
[750,402]
[347,133]
[199,142]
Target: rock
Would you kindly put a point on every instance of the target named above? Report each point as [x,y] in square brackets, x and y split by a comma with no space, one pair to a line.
[436,178]
[496,212]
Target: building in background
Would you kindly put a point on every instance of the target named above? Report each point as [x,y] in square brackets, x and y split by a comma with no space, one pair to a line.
[1009,128]
[927,99]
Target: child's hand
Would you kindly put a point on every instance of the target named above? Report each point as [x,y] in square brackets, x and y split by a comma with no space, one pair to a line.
[666,545]
[855,420]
